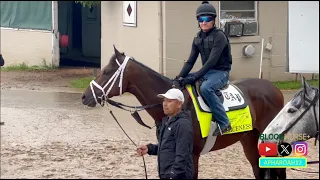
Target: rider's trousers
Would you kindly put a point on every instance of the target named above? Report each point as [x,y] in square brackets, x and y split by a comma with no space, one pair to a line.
[213,80]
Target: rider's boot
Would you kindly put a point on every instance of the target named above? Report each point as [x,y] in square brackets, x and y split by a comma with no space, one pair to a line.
[220,115]
[221,129]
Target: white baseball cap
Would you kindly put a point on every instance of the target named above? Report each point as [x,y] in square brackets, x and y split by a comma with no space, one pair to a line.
[173,94]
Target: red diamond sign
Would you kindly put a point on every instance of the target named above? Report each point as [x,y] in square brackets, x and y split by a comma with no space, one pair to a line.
[129,9]
[129,13]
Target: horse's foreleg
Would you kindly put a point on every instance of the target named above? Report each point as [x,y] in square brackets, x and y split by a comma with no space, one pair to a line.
[250,146]
[195,165]
[281,173]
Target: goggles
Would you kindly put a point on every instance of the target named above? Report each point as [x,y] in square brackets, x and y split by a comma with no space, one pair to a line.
[205,18]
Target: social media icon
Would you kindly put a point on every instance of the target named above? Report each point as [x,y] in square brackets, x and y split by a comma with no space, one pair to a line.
[284,149]
[268,149]
[300,148]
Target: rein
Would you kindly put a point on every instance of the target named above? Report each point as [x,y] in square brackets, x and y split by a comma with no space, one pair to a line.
[311,104]
[134,113]
[144,162]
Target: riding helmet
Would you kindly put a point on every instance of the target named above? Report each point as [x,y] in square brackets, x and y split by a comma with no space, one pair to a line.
[206,9]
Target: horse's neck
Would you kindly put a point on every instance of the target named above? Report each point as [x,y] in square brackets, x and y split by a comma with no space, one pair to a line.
[145,87]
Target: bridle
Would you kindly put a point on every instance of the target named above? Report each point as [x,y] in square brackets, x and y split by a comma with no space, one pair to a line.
[113,79]
[134,109]
[312,103]
[104,97]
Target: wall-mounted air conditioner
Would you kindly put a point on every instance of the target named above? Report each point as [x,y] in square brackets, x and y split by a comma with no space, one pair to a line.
[238,28]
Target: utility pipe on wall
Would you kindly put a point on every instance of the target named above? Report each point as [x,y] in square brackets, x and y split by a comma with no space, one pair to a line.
[55,35]
[160,38]
[261,58]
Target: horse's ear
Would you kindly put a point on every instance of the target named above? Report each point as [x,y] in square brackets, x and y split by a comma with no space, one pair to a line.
[304,83]
[302,80]
[116,52]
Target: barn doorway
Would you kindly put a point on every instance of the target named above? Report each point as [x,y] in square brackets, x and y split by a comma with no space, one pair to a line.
[81,26]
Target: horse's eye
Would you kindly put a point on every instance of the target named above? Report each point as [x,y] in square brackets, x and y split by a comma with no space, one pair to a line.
[291,110]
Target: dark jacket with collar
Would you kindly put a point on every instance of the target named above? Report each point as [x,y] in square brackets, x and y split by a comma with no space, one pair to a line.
[175,147]
[215,51]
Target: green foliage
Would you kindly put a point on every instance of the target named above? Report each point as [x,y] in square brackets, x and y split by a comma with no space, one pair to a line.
[88,3]
[24,67]
[81,82]
[293,85]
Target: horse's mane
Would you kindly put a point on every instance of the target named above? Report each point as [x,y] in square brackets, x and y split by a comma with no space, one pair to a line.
[151,70]
[155,73]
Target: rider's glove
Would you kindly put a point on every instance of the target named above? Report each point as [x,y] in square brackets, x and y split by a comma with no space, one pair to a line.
[176,78]
[190,79]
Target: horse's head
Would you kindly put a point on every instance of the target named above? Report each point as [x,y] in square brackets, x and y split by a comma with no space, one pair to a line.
[299,117]
[109,82]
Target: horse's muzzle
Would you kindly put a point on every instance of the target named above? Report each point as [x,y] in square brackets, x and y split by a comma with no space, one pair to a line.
[88,101]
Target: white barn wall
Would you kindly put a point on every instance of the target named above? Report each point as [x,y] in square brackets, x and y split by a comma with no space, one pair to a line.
[26,46]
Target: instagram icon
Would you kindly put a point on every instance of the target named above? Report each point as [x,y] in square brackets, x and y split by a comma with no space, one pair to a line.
[300,148]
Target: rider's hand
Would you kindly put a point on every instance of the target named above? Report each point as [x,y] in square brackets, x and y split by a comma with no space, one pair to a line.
[142,150]
[176,78]
[188,80]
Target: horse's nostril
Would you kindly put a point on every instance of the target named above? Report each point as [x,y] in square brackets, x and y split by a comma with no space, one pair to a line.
[83,97]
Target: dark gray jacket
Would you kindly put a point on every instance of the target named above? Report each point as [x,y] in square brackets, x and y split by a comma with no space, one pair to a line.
[175,147]
[215,50]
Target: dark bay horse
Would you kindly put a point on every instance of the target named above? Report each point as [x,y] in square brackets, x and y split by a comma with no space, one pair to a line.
[264,99]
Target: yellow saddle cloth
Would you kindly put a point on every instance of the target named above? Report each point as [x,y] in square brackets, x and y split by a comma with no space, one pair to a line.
[235,106]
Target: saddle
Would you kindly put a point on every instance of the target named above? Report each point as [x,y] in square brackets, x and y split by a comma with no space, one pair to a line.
[234,104]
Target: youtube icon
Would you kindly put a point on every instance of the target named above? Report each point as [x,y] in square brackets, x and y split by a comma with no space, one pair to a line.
[268,149]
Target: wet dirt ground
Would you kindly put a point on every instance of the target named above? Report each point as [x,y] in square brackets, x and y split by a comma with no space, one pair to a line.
[52,135]
[50,80]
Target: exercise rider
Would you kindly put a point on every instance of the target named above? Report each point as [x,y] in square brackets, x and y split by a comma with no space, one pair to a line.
[215,50]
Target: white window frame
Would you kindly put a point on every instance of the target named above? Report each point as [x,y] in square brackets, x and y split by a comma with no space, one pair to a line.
[25,29]
[255,12]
